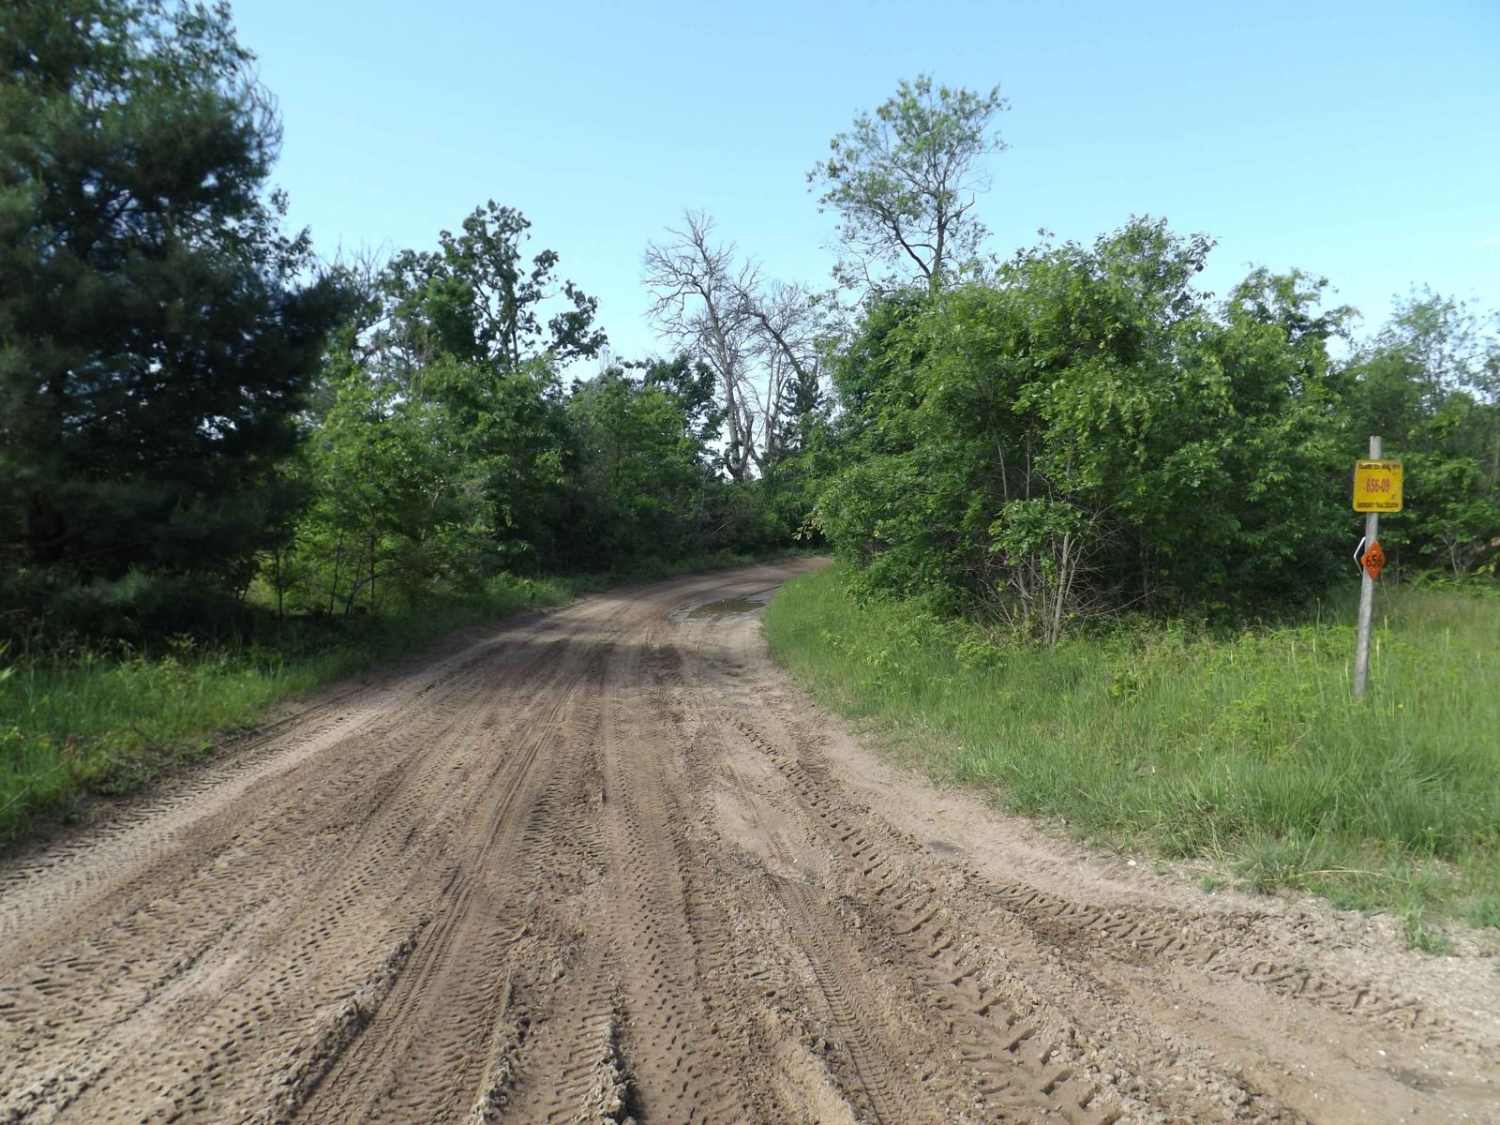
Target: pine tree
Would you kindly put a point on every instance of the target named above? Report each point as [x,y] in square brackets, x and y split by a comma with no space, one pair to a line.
[157,331]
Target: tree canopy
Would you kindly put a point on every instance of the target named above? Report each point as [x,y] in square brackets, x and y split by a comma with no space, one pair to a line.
[1088,430]
[187,395]
[904,181]
[476,298]
[157,333]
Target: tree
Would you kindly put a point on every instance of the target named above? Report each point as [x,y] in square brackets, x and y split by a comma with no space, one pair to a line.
[456,350]
[156,336]
[476,299]
[698,289]
[762,341]
[904,183]
[1087,431]
[1426,383]
[640,469]
[788,331]
[691,383]
[396,502]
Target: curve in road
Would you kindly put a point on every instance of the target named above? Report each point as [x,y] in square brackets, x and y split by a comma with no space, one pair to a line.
[608,864]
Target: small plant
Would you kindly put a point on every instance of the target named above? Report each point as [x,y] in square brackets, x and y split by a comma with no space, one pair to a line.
[1421,935]
[975,654]
[1486,911]
[1125,684]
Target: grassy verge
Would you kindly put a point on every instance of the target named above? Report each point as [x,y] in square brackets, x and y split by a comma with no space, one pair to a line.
[89,719]
[85,718]
[1244,749]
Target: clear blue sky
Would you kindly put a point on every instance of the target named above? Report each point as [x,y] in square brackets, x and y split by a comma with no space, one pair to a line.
[1359,140]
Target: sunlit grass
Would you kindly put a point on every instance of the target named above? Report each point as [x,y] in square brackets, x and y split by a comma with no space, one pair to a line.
[1244,749]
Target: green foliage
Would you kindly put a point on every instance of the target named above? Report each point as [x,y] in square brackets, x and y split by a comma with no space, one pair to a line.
[439,452]
[156,338]
[1087,430]
[1421,935]
[903,183]
[476,300]
[431,488]
[1427,384]
[1239,747]
[445,450]
[1486,911]
[642,478]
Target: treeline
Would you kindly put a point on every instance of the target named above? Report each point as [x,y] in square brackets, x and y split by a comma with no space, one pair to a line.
[1081,429]
[442,447]
[1084,430]
[195,412]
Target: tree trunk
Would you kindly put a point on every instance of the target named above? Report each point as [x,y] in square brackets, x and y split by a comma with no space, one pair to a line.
[333,588]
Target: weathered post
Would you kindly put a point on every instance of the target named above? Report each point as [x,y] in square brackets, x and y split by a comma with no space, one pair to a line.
[1366,590]
[1377,488]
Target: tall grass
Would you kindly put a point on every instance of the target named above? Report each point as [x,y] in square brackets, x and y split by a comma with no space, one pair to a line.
[1242,748]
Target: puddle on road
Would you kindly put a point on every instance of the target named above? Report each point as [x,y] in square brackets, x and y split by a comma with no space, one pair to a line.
[726,608]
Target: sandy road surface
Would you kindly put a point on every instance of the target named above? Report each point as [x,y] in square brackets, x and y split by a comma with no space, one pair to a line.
[607,863]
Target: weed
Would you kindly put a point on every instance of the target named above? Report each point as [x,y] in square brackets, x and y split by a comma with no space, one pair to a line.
[1421,935]
[1244,747]
[1485,911]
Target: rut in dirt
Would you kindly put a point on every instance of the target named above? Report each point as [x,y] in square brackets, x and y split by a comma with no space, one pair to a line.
[608,864]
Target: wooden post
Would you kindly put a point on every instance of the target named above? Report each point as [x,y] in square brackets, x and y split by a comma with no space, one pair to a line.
[1366,595]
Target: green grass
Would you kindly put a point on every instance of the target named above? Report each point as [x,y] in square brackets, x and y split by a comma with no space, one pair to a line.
[81,718]
[1242,749]
[87,718]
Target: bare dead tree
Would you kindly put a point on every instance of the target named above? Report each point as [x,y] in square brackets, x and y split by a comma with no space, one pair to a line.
[786,329]
[699,306]
[761,339]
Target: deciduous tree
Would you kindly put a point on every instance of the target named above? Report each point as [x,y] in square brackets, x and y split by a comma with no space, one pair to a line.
[904,181]
[476,298]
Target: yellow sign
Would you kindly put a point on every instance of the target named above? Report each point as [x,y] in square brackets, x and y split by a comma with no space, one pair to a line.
[1377,486]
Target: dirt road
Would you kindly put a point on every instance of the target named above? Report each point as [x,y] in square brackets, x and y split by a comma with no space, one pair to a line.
[608,863]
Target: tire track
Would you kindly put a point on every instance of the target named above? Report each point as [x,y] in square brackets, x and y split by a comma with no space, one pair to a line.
[602,866]
[418,1059]
[68,874]
[1155,933]
[1023,1059]
[675,1064]
[268,940]
[884,1086]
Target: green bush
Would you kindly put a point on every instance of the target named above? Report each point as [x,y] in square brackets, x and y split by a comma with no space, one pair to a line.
[1086,430]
